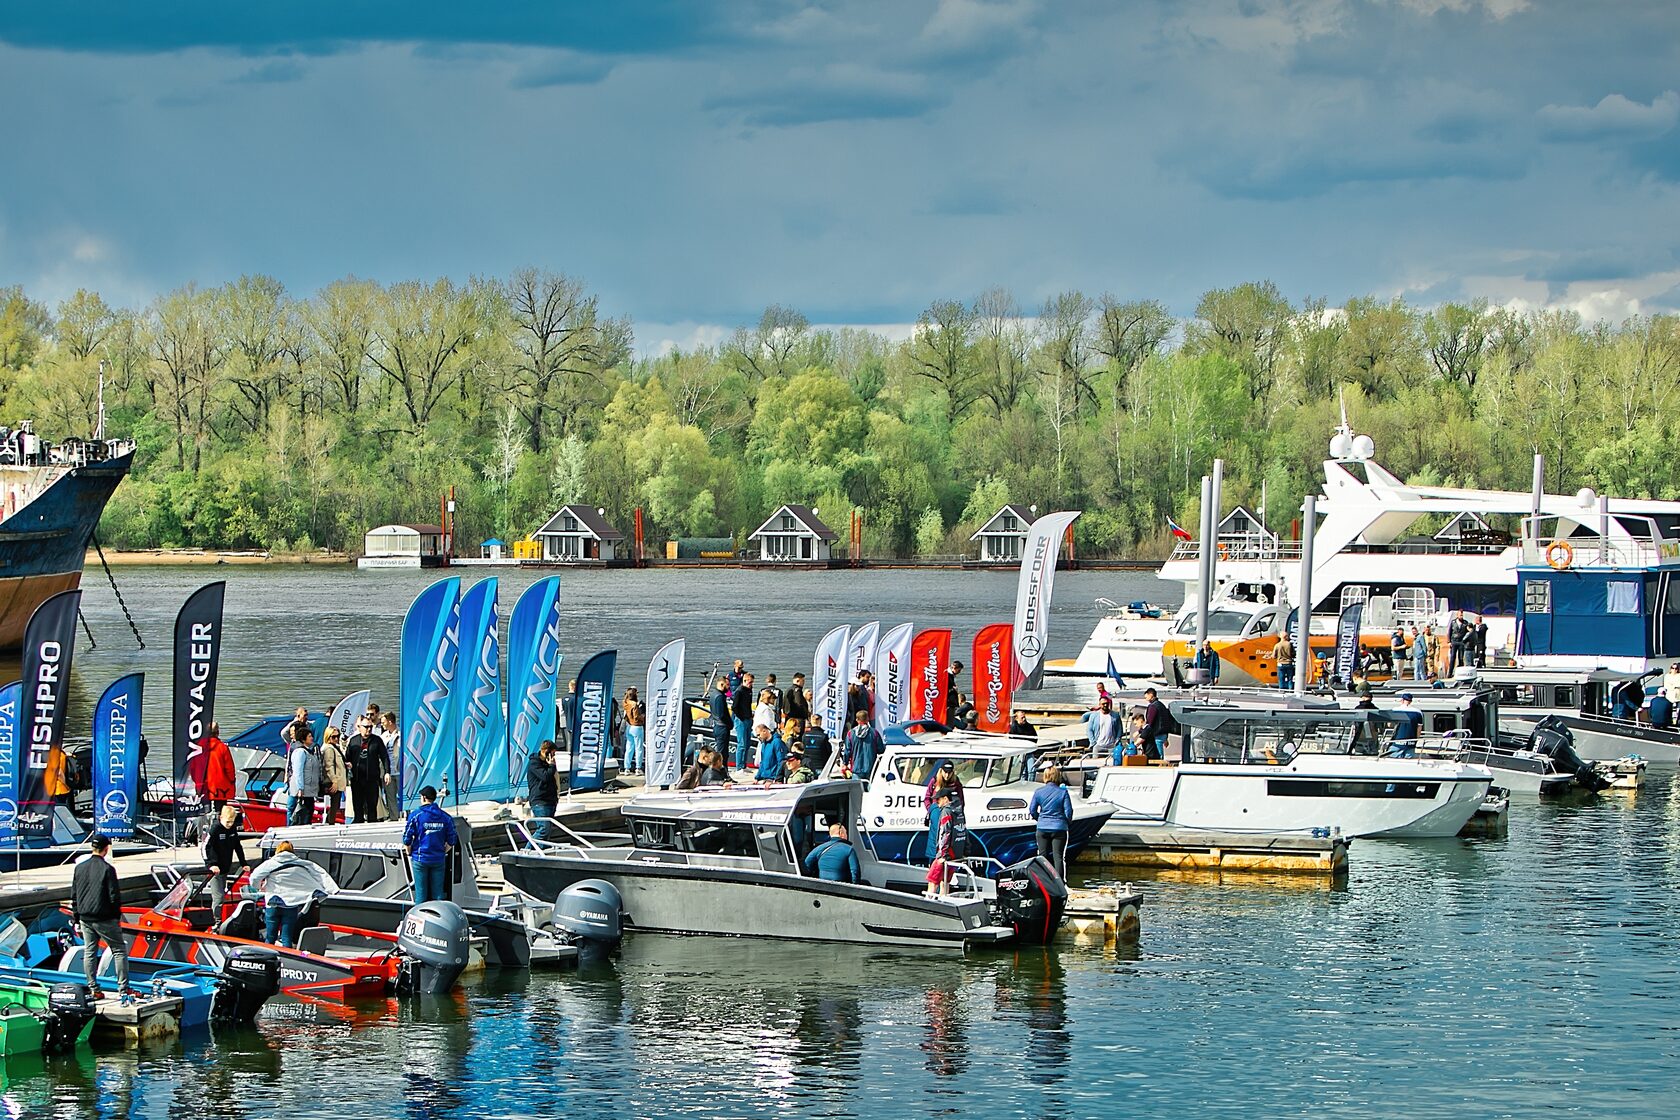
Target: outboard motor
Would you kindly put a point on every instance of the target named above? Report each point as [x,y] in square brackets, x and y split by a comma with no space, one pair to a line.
[1031,897]
[1552,738]
[434,942]
[591,913]
[248,978]
[69,1009]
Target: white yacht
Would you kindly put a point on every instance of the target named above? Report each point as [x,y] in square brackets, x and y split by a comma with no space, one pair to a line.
[1364,551]
[1293,768]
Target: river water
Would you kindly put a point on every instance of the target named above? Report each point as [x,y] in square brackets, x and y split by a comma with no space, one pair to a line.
[1525,976]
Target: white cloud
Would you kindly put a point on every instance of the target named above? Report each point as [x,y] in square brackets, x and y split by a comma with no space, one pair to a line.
[1495,9]
[1615,117]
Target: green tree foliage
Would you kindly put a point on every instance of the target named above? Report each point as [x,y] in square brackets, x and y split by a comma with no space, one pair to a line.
[265,417]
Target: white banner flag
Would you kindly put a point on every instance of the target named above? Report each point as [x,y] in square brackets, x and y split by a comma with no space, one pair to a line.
[1032,595]
[664,715]
[828,685]
[349,710]
[892,678]
[860,651]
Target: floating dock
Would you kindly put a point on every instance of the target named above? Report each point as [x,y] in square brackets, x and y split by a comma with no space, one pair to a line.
[1110,913]
[1178,849]
[143,1018]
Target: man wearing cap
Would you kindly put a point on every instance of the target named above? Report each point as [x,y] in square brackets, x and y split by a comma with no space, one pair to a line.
[96,907]
[1408,721]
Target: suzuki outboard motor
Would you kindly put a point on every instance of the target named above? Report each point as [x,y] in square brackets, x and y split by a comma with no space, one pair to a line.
[248,978]
[69,1009]
[434,942]
[1551,737]
[591,913]
[1031,897]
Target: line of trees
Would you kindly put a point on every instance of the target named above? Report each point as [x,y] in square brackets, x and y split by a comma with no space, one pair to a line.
[268,420]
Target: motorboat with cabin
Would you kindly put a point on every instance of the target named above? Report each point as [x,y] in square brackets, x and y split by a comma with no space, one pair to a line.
[729,861]
[999,774]
[1280,766]
[1365,551]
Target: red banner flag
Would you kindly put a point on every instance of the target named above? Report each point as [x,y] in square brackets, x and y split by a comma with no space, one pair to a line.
[930,686]
[994,676]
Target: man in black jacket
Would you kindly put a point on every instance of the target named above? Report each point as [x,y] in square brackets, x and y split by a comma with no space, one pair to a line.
[542,788]
[720,717]
[96,907]
[794,704]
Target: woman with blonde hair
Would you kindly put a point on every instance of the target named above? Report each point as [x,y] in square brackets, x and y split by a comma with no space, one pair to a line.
[335,776]
[223,854]
[1052,807]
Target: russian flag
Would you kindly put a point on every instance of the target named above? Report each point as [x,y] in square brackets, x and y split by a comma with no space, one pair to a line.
[1177,530]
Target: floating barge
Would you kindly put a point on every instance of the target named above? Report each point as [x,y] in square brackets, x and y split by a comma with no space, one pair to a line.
[1180,849]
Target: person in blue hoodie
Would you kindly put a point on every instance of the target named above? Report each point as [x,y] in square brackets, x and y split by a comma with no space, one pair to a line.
[862,747]
[429,838]
[772,756]
[1052,807]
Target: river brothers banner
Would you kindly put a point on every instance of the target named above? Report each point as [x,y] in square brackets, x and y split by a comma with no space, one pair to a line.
[994,679]
[198,656]
[116,756]
[930,679]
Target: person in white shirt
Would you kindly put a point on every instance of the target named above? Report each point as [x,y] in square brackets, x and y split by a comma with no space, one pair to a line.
[1671,683]
[764,715]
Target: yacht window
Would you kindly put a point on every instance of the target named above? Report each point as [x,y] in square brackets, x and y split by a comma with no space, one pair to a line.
[1537,596]
[1621,596]
[1225,624]
[1262,622]
[1563,697]
[1007,770]
[659,835]
[352,871]
[707,838]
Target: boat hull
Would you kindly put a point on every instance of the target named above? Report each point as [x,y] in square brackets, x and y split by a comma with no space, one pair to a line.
[1603,740]
[676,899]
[301,974]
[1008,846]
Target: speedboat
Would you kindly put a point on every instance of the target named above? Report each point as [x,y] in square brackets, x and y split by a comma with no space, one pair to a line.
[1126,640]
[1580,700]
[1289,768]
[997,776]
[330,961]
[37,1018]
[371,863]
[728,861]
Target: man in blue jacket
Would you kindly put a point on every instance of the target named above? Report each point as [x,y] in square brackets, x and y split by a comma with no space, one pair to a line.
[429,838]
[834,859]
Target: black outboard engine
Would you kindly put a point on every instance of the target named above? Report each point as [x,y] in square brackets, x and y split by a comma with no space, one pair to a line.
[1031,897]
[434,942]
[69,1009]
[248,978]
[591,913]
[1551,737]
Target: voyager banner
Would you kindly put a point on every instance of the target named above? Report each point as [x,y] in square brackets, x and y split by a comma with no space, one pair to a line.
[1039,553]
[426,677]
[348,711]
[116,756]
[664,714]
[930,660]
[860,652]
[993,676]
[594,720]
[533,672]
[48,645]
[828,686]
[892,677]
[479,769]
[198,655]
[1347,640]
[11,760]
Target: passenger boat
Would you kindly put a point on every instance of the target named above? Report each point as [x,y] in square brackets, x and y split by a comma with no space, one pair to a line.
[1289,768]
[51,498]
[998,775]
[1580,700]
[728,861]
[330,961]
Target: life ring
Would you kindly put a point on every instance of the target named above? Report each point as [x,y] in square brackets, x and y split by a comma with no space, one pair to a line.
[1224,552]
[1560,555]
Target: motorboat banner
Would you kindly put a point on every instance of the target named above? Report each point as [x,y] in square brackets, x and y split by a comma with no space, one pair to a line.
[828,687]
[930,676]
[1347,639]
[480,765]
[348,710]
[11,759]
[860,652]
[892,677]
[533,672]
[198,657]
[664,714]
[426,680]
[994,679]
[116,756]
[1039,553]
[49,643]
[593,721]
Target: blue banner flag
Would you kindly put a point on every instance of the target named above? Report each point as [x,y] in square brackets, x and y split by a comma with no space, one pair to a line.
[592,717]
[533,673]
[11,760]
[480,726]
[426,676]
[116,756]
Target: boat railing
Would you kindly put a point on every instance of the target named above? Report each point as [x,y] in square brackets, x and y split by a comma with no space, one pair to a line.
[1230,550]
[520,837]
[967,873]
[1642,545]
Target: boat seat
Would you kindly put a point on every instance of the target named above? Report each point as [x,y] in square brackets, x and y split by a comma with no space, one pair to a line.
[315,940]
[242,922]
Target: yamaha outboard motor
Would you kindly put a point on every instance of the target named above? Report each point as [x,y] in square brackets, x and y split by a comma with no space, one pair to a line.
[1551,737]
[248,978]
[1031,897]
[69,1009]
[434,942]
[591,913]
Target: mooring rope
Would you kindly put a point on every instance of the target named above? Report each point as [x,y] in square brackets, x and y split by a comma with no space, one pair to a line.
[115,590]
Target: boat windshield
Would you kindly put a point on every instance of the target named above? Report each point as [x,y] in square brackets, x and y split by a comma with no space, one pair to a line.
[1262,742]
[174,901]
[1004,771]
[918,769]
[1221,623]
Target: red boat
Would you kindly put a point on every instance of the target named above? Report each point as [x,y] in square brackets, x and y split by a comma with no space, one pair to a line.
[331,962]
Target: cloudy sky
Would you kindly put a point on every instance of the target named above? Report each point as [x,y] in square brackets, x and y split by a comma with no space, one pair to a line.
[856,159]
